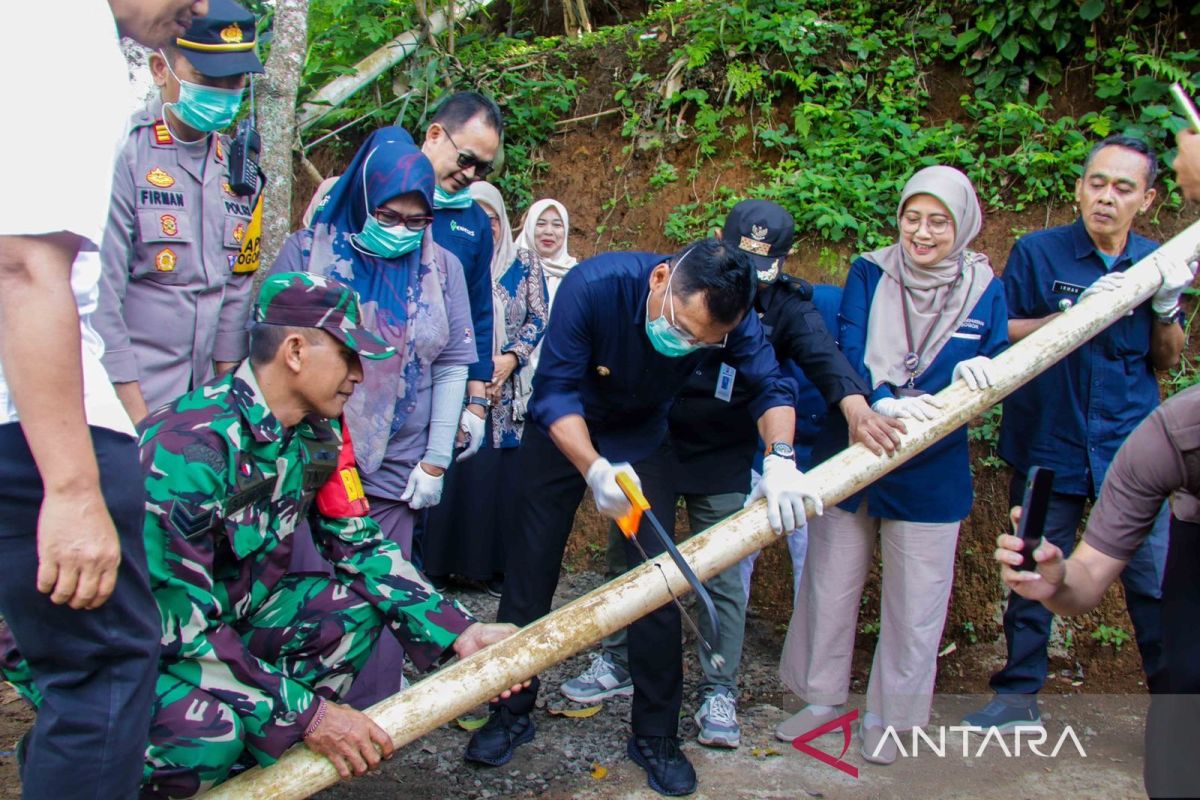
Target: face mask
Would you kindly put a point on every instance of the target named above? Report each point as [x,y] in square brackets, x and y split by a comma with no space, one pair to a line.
[443,199]
[387,242]
[205,108]
[664,337]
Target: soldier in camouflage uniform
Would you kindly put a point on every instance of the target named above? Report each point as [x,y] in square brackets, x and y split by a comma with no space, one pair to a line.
[254,660]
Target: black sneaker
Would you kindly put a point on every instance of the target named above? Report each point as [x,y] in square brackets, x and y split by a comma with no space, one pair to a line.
[667,769]
[440,583]
[494,743]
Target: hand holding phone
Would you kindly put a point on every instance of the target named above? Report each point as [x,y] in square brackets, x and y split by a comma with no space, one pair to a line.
[1039,484]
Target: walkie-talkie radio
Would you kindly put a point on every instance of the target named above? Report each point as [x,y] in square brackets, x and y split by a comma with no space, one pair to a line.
[243,154]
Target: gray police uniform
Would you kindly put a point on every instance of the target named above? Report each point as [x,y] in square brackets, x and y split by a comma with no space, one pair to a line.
[174,297]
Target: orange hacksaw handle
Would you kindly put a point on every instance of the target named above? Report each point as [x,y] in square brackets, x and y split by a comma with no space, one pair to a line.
[637,502]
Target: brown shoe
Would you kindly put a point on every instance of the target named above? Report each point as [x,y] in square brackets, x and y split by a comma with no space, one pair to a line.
[802,723]
[875,747]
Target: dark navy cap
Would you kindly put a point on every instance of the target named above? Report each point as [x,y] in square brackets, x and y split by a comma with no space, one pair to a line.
[221,43]
[763,231]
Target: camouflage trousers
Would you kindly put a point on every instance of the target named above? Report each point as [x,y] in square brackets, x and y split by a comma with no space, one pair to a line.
[312,628]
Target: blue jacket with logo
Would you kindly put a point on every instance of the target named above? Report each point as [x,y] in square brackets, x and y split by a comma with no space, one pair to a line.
[467,233]
[935,486]
[1075,415]
[597,361]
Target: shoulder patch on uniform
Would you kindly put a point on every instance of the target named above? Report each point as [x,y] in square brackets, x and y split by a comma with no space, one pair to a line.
[207,455]
[160,177]
[217,147]
[162,134]
[188,523]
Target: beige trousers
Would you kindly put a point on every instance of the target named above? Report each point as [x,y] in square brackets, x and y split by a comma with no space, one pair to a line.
[918,571]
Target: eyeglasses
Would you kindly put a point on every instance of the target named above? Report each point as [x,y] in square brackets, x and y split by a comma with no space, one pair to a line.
[390,219]
[468,160]
[684,335]
[936,223]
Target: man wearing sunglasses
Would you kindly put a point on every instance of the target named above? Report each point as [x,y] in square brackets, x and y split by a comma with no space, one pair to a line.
[627,332]
[461,142]
[175,294]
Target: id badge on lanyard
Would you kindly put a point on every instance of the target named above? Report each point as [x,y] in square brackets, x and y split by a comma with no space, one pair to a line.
[725,383]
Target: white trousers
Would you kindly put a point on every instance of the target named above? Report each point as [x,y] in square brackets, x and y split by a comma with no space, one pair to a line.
[918,571]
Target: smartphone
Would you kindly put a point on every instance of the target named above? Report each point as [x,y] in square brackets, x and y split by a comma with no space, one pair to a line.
[1186,105]
[1038,486]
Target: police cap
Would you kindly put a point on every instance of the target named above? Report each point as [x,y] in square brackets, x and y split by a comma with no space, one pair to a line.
[221,43]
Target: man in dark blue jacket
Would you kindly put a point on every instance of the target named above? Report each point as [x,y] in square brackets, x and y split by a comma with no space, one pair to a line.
[461,142]
[627,331]
[1074,416]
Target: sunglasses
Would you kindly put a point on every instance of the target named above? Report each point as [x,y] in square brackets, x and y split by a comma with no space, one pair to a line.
[390,219]
[467,160]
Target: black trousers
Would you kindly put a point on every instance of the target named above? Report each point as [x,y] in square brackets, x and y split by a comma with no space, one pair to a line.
[95,670]
[1172,765]
[551,489]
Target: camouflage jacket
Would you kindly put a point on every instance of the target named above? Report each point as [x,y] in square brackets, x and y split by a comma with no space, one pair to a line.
[226,485]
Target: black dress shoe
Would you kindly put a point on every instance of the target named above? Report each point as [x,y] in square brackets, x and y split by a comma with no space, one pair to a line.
[440,583]
[494,743]
[667,769]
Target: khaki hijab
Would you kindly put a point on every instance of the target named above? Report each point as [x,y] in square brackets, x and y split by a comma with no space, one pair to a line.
[936,300]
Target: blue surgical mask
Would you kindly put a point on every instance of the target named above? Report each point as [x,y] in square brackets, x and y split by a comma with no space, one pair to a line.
[443,199]
[387,242]
[205,108]
[665,337]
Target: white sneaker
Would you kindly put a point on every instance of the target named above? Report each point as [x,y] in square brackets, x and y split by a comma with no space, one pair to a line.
[600,681]
[717,719]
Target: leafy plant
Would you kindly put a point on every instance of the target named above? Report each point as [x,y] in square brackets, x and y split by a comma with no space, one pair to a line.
[1109,635]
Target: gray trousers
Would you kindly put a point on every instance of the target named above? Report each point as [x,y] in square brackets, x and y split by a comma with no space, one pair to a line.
[726,589]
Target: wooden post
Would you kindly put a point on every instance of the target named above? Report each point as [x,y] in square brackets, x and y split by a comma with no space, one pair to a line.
[457,689]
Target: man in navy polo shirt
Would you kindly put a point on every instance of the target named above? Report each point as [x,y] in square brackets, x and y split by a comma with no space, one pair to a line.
[1075,416]
[627,331]
[461,143]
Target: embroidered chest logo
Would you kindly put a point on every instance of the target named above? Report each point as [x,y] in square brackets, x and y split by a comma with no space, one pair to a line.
[170,225]
[455,227]
[239,233]
[160,178]
[165,260]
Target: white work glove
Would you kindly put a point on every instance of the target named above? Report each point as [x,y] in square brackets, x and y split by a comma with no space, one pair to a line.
[423,490]
[978,372]
[785,488]
[602,480]
[474,429]
[923,407]
[1111,282]
[1176,276]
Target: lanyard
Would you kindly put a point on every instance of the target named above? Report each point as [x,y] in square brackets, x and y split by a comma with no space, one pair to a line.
[912,359]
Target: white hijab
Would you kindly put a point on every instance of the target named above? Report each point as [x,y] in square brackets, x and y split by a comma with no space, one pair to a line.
[558,263]
[504,252]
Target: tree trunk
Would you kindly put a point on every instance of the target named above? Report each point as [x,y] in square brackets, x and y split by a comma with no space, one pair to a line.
[277,123]
[565,631]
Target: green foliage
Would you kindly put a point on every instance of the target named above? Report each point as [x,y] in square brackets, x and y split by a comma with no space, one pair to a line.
[987,432]
[1111,636]
[1009,43]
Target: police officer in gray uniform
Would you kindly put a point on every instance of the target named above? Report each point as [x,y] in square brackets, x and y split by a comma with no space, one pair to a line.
[177,263]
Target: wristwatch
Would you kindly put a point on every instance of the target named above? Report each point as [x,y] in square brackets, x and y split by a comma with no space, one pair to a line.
[1170,318]
[781,449]
[476,400]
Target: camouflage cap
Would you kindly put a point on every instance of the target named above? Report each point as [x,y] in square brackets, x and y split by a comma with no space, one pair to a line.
[304,300]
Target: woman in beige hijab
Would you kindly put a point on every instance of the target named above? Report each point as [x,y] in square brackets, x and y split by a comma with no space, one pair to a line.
[545,232]
[915,316]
